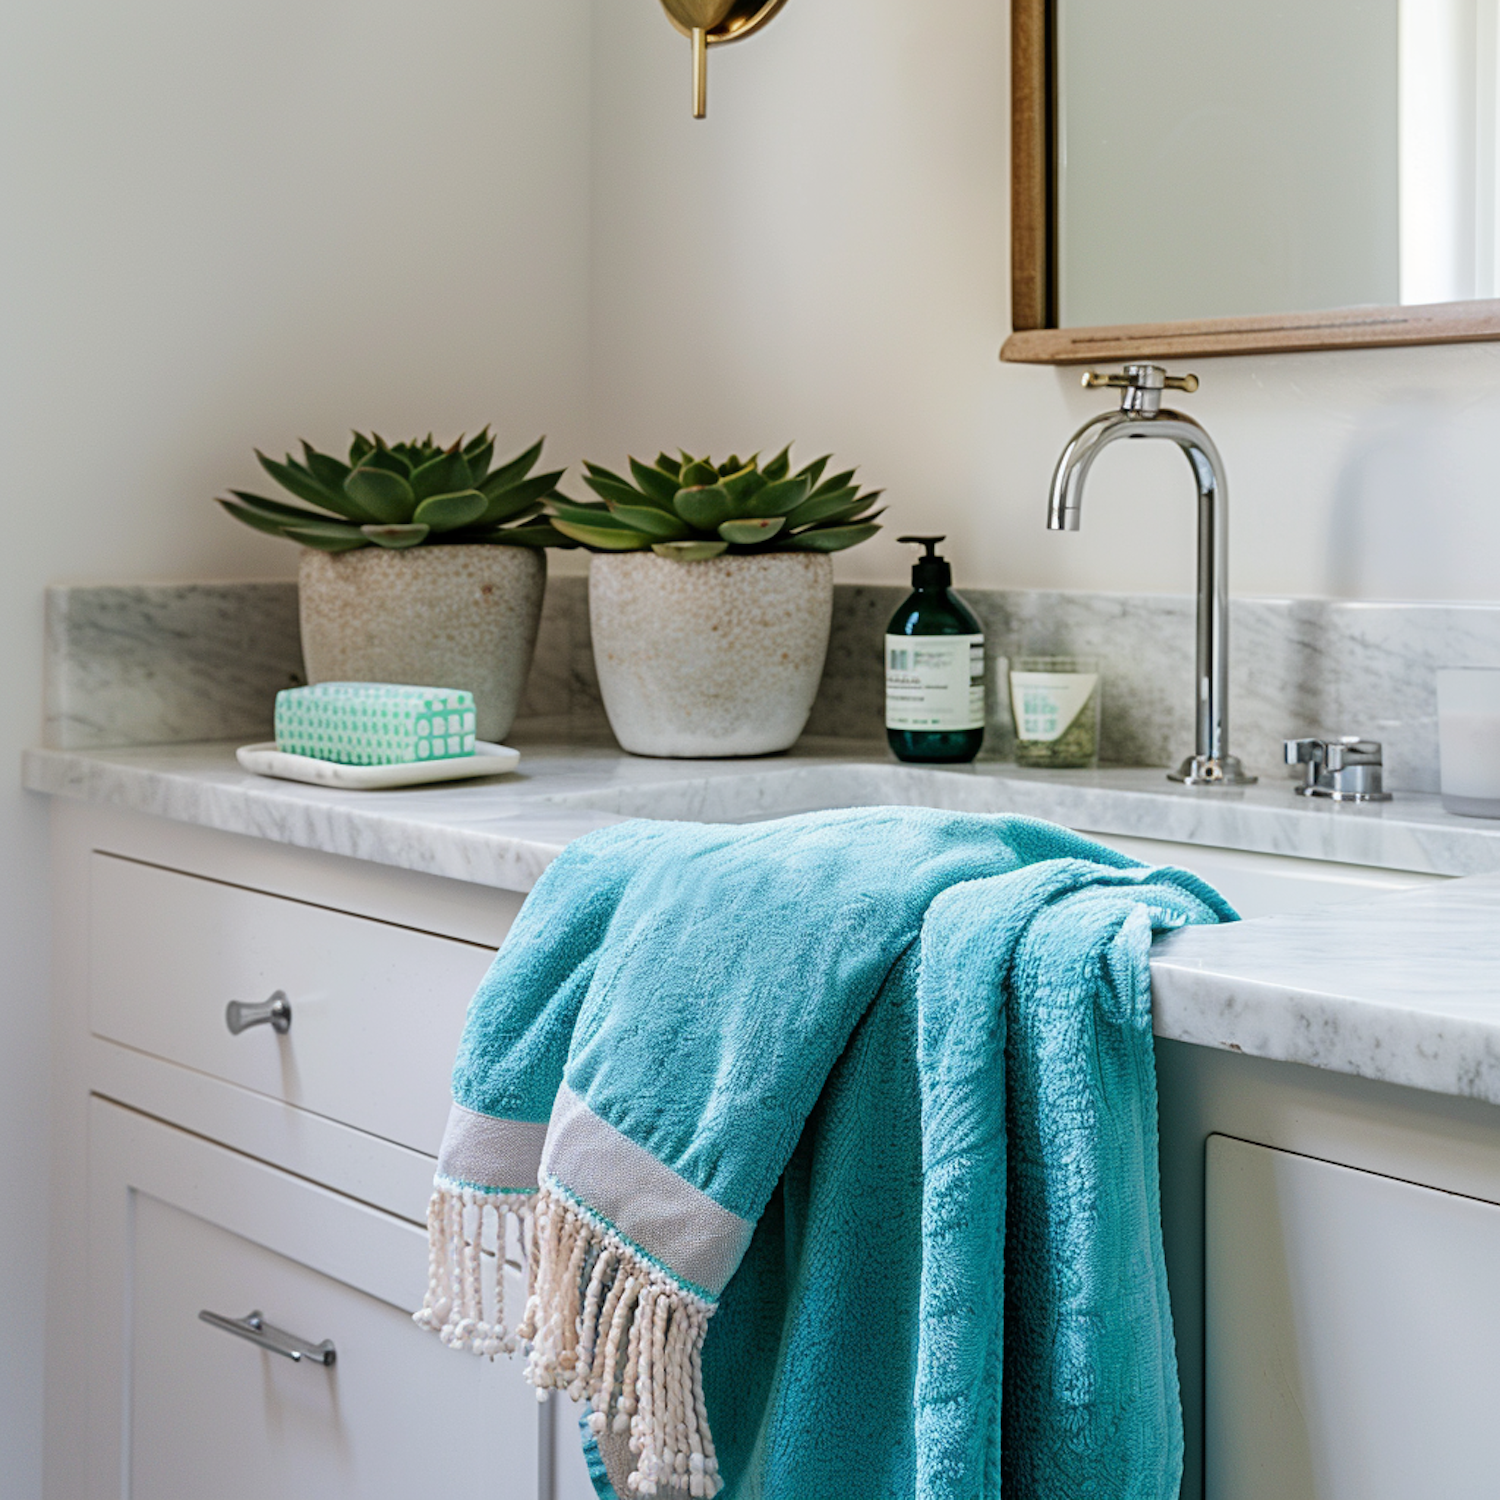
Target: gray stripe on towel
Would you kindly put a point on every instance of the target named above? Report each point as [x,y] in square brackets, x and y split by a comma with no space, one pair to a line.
[670,1219]
[488,1152]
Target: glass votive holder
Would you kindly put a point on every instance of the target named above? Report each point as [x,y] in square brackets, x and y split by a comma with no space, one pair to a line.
[1469,740]
[1056,704]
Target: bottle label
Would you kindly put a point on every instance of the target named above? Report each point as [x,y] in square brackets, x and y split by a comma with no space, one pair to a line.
[934,682]
[1046,703]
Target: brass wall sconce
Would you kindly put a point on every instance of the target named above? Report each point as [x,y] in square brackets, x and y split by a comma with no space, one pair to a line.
[709,22]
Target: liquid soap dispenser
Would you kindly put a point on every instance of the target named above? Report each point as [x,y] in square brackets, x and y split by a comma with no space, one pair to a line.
[934,668]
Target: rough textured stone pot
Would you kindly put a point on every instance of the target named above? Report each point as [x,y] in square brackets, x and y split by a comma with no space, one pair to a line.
[711,658]
[455,617]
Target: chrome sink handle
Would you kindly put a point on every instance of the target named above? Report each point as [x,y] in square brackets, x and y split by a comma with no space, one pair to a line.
[254,1327]
[1142,384]
[275,1013]
[1343,769]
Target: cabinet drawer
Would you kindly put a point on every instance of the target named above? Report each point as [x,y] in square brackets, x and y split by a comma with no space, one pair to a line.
[180,1226]
[376,1009]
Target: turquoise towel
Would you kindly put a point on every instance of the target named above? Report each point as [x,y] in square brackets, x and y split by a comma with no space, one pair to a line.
[872,1091]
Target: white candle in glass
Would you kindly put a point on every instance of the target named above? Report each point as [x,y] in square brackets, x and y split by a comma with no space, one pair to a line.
[1469,740]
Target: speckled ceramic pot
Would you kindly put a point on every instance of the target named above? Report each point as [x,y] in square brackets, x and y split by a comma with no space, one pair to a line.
[454,617]
[705,659]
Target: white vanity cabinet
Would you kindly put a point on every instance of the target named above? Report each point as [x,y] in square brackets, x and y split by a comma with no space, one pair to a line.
[1333,1253]
[278,1173]
[1353,1333]
[1332,1241]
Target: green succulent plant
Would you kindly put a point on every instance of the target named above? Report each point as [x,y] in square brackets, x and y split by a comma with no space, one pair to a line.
[403,495]
[691,508]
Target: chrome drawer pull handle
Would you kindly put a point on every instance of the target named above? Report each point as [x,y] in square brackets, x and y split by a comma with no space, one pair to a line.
[268,1336]
[275,1013]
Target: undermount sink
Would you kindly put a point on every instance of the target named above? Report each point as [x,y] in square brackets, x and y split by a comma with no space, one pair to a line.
[1256,884]
[1263,885]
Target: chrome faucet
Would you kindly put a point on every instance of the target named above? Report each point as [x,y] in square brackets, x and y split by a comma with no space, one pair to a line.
[1141,415]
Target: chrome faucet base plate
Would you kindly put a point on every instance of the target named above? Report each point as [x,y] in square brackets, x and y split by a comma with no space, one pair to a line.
[1206,770]
[1330,795]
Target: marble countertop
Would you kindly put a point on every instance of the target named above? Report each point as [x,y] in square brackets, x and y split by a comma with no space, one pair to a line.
[503,831]
[1402,987]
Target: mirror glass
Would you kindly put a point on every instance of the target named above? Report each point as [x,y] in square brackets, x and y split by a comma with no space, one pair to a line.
[1219,159]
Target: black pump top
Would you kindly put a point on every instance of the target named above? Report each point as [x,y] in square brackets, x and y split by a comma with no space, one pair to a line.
[930,571]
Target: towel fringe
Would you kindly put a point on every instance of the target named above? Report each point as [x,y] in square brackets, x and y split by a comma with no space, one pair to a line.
[458,1307]
[601,1322]
[595,1298]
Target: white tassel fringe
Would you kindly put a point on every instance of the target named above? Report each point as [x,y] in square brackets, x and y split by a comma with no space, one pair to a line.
[601,1323]
[607,1326]
[465,1301]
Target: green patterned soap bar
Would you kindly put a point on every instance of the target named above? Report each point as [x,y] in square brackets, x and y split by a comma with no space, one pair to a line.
[374,723]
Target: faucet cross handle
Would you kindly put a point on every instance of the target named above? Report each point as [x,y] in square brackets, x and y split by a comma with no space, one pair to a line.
[1142,384]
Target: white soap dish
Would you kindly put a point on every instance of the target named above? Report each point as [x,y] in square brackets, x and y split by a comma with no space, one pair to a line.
[267,760]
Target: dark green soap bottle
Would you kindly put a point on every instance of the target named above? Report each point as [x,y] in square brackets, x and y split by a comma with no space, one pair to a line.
[934,668]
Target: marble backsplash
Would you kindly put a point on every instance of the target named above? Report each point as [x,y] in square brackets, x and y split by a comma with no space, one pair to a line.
[144,664]
[1297,667]
[152,664]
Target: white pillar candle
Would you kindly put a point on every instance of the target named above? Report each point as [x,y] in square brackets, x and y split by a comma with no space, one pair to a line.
[1469,740]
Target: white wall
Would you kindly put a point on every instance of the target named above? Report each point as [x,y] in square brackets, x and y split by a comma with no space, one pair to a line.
[234,224]
[826,257]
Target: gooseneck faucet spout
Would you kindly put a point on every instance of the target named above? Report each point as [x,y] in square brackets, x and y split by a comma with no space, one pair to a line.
[1141,415]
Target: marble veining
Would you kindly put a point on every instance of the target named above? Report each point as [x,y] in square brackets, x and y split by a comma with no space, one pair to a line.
[168,663]
[1402,988]
[1398,987]
[146,664]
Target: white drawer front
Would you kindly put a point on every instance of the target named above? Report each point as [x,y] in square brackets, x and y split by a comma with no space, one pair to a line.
[376,1010]
[182,1226]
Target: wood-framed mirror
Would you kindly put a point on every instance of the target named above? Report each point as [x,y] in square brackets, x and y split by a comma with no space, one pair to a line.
[1195,177]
